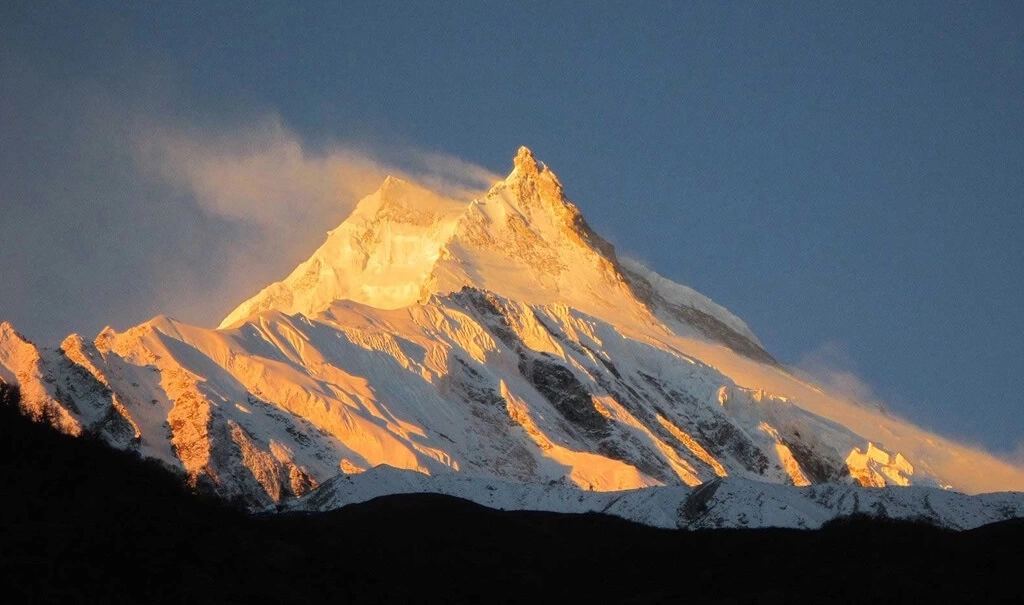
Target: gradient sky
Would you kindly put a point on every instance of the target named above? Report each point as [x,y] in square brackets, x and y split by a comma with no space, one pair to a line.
[846,177]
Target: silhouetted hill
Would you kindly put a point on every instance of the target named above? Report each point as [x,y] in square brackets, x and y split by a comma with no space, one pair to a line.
[84,523]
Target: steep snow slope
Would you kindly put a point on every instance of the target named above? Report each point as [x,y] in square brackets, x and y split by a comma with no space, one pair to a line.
[500,338]
[380,256]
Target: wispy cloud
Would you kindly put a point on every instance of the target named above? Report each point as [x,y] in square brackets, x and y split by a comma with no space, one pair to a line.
[275,197]
[263,173]
[140,202]
[832,367]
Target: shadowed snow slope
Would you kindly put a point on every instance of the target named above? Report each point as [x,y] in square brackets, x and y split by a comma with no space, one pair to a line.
[722,503]
[501,339]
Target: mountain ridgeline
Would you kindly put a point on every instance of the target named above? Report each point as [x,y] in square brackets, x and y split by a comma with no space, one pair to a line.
[498,350]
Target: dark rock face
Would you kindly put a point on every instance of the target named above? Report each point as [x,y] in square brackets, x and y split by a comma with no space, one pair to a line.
[472,386]
[816,468]
[725,439]
[697,504]
[486,308]
[567,394]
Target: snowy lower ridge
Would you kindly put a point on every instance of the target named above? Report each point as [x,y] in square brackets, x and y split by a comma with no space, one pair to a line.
[722,503]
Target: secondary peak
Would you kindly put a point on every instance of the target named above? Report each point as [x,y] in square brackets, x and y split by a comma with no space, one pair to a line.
[392,183]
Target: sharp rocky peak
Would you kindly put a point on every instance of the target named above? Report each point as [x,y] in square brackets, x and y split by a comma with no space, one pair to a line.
[525,162]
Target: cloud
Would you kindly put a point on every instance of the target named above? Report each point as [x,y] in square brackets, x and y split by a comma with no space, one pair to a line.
[269,198]
[832,367]
[122,207]
[262,173]
[450,175]
[833,372]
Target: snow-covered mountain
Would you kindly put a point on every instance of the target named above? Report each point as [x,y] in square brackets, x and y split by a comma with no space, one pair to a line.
[500,339]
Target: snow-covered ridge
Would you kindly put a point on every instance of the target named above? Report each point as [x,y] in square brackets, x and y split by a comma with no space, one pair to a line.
[381,255]
[498,340]
[722,503]
[684,296]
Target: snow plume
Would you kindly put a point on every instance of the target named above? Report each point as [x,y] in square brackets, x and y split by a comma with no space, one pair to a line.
[263,173]
[832,367]
[262,200]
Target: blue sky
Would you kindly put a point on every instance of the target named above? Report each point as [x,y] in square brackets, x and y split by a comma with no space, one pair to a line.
[846,177]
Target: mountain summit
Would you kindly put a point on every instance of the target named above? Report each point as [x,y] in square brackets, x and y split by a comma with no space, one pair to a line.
[525,162]
[494,340]
[523,240]
[404,243]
